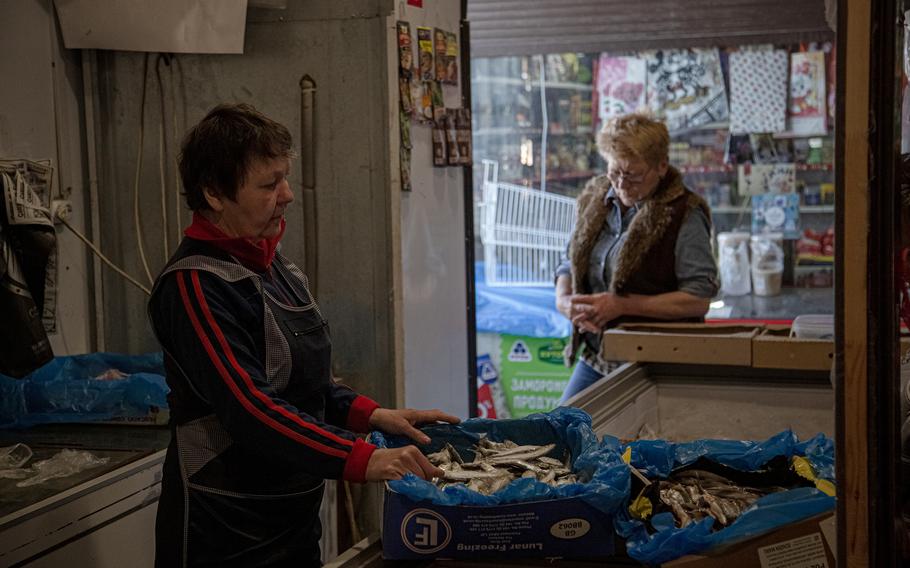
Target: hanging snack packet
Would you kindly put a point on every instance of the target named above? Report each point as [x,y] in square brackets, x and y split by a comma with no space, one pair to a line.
[425,49]
[425,102]
[404,161]
[451,126]
[463,136]
[439,144]
[404,126]
[405,50]
[404,94]
[451,75]
[439,106]
[439,49]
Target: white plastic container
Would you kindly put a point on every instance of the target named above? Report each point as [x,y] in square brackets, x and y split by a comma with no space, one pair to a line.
[733,261]
[767,279]
[813,327]
[767,264]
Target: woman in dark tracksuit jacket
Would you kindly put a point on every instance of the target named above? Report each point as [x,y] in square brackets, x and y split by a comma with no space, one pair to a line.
[258,421]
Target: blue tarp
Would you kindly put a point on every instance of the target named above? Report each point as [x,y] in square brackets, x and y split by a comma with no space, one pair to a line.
[658,458]
[600,463]
[518,311]
[84,388]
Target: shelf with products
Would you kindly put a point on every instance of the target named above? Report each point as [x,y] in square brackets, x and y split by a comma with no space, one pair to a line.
[730,168]
[565,176]
[819,209]
[526,131]
[530,84]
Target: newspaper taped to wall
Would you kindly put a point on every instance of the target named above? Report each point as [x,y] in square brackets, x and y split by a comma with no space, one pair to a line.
[27,191]
[25,196]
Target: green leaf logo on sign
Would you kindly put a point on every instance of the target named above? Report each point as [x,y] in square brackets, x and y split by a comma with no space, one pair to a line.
[551,353]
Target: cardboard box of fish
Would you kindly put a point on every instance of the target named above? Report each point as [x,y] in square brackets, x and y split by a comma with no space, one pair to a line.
[541,486]
[709,497]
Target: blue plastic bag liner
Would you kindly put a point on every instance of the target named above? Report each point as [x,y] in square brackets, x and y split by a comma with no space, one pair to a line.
[570,428]
[85,388]
[658,458]
[527,311]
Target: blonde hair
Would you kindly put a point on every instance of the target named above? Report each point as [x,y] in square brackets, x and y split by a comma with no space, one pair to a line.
[636,136]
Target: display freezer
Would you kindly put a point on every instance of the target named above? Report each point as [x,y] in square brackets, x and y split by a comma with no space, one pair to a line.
[681,402]
[676,402]
[97,517]
[101,517]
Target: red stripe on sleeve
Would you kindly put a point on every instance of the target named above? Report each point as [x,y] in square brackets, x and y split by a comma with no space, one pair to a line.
[355,468]
[359,414]
[235,390]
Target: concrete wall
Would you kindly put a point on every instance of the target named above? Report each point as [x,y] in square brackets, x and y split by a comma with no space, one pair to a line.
[341,46]
[433,254]
[41,117]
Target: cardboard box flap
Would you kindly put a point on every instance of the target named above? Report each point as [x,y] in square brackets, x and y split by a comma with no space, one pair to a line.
[775,349]
[699,329]
[798,545]
[681,343]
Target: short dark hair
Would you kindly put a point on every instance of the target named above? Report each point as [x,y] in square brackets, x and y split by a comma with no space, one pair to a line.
[216,153]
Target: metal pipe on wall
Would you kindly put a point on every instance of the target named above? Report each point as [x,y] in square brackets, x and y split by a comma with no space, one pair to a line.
[308,178]
[89,60]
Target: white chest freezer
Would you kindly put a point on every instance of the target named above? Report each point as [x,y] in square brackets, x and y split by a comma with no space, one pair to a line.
[685,402]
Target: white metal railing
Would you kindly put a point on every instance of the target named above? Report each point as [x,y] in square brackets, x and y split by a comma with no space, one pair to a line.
[523,230]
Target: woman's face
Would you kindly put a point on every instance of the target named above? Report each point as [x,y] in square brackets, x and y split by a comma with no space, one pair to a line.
[634,179]
[260,203]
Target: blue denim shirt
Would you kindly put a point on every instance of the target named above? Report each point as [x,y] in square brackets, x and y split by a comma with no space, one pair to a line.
[696,269]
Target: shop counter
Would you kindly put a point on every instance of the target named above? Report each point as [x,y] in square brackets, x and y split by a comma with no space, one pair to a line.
[783,307]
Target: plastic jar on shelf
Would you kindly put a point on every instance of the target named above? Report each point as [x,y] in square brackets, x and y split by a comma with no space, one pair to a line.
[733,261]
[767,263]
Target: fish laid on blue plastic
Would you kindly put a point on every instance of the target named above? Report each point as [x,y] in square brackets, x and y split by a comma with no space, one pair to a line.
[496,464]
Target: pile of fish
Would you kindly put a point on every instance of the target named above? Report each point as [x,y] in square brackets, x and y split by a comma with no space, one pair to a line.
[496,464]
[695,494]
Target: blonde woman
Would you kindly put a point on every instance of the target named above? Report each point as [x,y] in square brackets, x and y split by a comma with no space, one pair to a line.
[641,249]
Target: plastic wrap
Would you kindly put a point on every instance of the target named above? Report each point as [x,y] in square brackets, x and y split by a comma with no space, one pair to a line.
[85,388]
[12,458]
[600,465]
[62,464]
[659,458]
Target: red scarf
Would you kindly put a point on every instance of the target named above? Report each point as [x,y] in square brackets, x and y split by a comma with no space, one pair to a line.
[256,254]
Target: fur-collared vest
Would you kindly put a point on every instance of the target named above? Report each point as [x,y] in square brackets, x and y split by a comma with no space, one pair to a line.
[647,261]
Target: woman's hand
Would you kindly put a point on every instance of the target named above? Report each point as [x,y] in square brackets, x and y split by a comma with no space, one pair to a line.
[592,312]
[402,421]
[393,463]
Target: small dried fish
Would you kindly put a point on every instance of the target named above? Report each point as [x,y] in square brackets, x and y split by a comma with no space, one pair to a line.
[695,494]
[548,477]
[528,453]
[469,474]
[496,464]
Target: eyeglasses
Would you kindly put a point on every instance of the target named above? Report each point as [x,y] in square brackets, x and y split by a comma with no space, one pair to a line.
[617,177]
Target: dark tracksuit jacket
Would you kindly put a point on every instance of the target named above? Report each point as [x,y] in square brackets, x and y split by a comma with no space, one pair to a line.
[258,422]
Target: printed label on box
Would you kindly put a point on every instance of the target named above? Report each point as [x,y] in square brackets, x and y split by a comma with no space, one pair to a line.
[803,552]
[425,531]
[567,528]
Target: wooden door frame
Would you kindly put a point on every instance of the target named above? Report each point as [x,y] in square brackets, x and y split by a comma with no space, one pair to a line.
[867,212]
